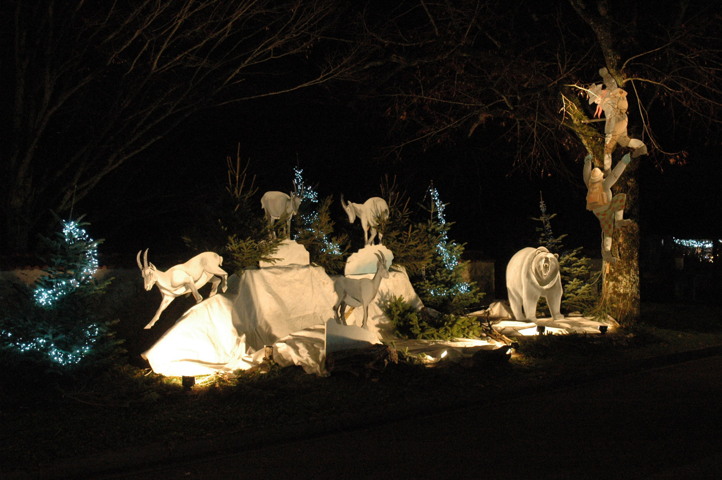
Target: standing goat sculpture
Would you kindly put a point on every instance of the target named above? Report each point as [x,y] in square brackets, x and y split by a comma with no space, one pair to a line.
[358,292]
[371,213]
[183,279]
[277,205]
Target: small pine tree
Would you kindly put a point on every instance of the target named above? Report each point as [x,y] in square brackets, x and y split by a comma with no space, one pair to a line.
[409,240]
[235,212]
[314,228]
[59,325]
[423,324]
[578,279]
[442,285]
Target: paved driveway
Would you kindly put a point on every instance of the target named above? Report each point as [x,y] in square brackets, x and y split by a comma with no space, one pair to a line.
[657,423]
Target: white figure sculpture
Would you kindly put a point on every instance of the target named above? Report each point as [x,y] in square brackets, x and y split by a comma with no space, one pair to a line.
[608,209]
[530,274]
[277,205]
[358,292]
[371,213]
[183,279]
[613,102]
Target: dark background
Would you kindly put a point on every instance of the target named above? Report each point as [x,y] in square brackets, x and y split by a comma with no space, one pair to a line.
[160,194]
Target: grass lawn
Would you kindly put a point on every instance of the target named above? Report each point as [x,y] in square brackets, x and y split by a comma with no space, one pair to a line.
[47,419]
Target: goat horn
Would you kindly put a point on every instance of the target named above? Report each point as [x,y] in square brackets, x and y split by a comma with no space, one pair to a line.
[344,205]
[145,258]
[137,259]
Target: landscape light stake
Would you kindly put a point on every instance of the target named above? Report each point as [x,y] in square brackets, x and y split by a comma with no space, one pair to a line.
[188,382]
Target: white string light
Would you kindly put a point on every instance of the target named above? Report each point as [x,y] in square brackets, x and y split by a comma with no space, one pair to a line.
[62,285]
[308,194]
[703,249]
[448,257]
[72,234]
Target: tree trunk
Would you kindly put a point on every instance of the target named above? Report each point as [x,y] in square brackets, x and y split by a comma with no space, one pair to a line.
[17,220]
[620,286]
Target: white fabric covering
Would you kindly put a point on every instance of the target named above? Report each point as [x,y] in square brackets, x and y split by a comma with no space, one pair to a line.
[289,253]
[203,341]
[286,307]
[364,261]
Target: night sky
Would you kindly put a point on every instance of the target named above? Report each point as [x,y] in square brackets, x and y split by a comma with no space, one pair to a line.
[154,198]
[151,200]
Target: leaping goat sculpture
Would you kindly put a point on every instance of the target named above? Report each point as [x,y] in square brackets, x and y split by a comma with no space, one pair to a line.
[183,279]
[358,292]
[371,213]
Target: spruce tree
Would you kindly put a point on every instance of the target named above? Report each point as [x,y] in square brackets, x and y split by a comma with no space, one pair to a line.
[59,325]
[442,285]
[578,279]
[314,227]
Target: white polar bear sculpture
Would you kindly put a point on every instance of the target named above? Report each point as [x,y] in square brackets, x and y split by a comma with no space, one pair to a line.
[530,274]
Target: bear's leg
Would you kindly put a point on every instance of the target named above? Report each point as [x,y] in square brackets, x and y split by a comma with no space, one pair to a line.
[554,300]
[530,301]
[515,303]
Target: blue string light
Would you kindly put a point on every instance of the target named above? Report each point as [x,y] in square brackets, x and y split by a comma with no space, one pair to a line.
[63,283]
[51,350]
[444,248]
[308,194]
[46,297]
[703,249]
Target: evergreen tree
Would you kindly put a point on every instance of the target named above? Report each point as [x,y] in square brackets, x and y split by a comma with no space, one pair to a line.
[59,325]
[222,219]
[314,227]
[578,279]
[408,239]
[442,285]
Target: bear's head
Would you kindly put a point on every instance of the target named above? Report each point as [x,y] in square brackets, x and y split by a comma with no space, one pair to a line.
[545,267]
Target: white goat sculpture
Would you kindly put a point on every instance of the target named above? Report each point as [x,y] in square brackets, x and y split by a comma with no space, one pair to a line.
[358,292]
[277,205]
[372,212]
[183,279]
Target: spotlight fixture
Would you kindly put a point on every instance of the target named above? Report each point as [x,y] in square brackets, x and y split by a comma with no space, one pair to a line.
[188,382]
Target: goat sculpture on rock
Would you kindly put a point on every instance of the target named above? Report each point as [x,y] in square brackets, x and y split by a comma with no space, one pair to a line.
[183,279]
[358,292]
[277,205]
[371,213]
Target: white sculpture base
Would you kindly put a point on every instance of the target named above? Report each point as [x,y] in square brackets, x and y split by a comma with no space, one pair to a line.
[289,253]
[289,308]
[364,261]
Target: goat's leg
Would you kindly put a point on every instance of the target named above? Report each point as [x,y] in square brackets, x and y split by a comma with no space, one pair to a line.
[163,304]
[342,313]
[194,290]
[366,315]
[219,272]
[335,312]
[372,235]
[215,281]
